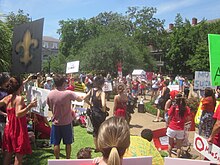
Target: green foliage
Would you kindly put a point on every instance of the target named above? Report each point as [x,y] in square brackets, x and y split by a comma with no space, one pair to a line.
[5,47]
[104,52]
[111,37]
[188,49]
[16,19]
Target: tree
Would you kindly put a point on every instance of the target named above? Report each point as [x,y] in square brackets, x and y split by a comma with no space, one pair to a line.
[5,47]
[181,47]
[17,19]
[104,52]
[146,28]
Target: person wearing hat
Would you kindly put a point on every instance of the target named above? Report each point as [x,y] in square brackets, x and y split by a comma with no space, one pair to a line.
[48,84]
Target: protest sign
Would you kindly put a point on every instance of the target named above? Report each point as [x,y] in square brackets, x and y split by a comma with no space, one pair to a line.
[77,103]
[179,161]
[149,76]
[214,58]
[202,80]
[107,87]
[174,87]
[72,67]
[210,151]
[126,161]
[41,95]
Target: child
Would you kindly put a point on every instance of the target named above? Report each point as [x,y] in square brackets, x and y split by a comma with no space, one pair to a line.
[84,153]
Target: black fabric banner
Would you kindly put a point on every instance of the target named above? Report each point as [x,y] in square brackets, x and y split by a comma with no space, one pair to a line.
[27,47]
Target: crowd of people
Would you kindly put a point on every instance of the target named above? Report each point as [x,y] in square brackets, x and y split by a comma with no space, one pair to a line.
[111,135]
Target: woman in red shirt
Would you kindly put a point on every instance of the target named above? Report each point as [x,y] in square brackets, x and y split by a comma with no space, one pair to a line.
[208,108]
[178,115]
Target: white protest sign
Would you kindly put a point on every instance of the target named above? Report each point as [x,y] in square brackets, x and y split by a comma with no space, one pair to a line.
[77,103]
[174,87]
[179,161]
[126,161]
[210,151]
[202,80]
[107,87]
[72,67]
[41,95]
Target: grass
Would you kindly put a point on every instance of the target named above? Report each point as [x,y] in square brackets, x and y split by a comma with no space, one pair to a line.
[150,108]
[41,155]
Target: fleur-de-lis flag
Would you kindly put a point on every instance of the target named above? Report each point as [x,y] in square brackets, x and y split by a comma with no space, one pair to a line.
[27,47]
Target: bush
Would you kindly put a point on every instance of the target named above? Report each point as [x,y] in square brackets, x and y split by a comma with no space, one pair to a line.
[193,104]
[151,108]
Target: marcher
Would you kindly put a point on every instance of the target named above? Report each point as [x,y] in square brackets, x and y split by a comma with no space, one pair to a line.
[186,86]
[59,102]
[165,95]
[208,107]
[171,101]
[16,138]
[41,126]
[178,115]
[96,99]
[155,87]
[3,92]
[120,102]
[215,135]
[113,140]
[48,84]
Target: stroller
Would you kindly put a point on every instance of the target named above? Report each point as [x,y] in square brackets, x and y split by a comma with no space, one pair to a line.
[130,107]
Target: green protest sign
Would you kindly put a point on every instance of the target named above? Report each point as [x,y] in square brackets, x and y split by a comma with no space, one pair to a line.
[214,58]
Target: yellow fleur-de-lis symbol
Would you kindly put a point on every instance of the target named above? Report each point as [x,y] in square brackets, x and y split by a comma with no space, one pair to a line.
[26,44]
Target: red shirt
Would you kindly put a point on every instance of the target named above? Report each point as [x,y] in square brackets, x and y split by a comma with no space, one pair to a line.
[135,85]
[208,104]
[177,122]
[216,116]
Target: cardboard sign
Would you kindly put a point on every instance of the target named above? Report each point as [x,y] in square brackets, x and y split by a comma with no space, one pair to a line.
[72,67]
[210,151]
[107,87]
[214,58]
[41,95]
[179,161]
[149,76]
[126,161]
[174,87]
[27,47]
[77,103]
[202,80]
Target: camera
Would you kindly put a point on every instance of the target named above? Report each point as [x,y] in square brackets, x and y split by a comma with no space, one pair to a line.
[34,77]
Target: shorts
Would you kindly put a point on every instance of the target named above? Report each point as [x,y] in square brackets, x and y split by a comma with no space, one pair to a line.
[178,134]
[64,132]
[134,91]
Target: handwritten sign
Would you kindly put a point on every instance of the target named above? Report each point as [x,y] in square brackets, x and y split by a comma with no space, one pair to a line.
[126,161]
[174,87]
[41,95]
[179,161]
[211,152]
[72,67]
[202,80]
[77,103]
[214,58]
[107,87]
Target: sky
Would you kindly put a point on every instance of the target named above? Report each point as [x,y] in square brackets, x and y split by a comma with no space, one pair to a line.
[55,10]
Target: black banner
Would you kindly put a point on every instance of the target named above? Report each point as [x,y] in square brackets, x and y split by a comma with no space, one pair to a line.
[27,47]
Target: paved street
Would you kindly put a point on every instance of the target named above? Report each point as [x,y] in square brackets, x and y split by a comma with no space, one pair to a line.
[140,121]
